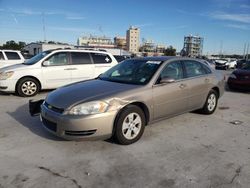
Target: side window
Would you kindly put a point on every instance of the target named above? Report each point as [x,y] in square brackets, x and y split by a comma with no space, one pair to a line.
[58,59]
[172,70]
[207,70]
[1,56]
[80,58]
[194,68]
[99,58]
[12,55]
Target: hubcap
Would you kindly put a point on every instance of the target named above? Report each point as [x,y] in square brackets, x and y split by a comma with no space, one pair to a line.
[211,102]
[29,88]
[131,126]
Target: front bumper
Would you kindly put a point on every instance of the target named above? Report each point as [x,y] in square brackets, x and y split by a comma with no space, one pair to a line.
[221,66]
[91,127]
[8,85]
[238,84]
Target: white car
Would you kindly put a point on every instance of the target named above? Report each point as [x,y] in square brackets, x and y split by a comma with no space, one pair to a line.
[10,57]
[52,69]
[232,64]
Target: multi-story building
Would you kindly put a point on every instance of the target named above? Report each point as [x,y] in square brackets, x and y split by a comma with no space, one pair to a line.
[95,41]
[120,42]
[133,39]
[193,45]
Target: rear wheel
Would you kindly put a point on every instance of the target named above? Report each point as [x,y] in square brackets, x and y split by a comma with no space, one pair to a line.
[211,103]
[130,125]
[27,87]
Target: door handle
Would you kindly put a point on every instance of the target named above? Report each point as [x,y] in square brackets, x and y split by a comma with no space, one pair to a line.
[182,86]
[71,69]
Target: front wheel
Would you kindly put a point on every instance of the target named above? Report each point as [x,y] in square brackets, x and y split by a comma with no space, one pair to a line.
[211,103]
[130,125]
[27,87]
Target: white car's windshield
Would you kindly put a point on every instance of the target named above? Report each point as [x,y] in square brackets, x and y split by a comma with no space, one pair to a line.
[135,71]
[37,58]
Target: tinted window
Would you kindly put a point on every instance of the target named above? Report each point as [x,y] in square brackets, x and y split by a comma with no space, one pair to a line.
[1,56]
[99,58]
[80,58]
[172,70]
[194,68]
[58,59]
[12,55]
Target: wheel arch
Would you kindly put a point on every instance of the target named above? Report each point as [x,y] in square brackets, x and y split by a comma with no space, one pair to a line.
[217,90]
[33,77]
[141,105]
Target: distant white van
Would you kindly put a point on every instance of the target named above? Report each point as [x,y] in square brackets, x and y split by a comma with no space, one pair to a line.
[10,57]
[54,68]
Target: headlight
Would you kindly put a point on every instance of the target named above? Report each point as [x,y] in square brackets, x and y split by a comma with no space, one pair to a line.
[94,107]
[6,75]
[232,76]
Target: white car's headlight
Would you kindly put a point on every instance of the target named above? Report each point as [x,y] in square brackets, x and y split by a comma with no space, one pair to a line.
[94,107]
[6,75]
[232,76]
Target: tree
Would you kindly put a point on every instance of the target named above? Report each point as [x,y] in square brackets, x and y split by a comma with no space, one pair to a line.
[170,51]
[12,45]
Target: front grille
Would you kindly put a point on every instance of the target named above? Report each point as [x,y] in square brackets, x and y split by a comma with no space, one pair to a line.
[53,108]
[49,124]
[80,133]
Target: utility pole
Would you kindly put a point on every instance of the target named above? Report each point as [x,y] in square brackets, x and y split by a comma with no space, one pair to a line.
[244,55]
[247,51]
[221,47]
[44,29]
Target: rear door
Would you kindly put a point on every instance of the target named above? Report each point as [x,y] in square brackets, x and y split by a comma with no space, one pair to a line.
[199,81]
[170,99]
[56,71]
[102,62]
[81,67]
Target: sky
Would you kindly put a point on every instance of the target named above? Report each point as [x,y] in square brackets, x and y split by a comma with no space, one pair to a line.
[224,24]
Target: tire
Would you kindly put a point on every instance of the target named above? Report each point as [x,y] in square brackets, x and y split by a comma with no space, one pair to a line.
[130,125]
[27,87]
[211,103]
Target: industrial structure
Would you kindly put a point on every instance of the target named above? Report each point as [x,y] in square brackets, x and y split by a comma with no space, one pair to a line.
[193,45]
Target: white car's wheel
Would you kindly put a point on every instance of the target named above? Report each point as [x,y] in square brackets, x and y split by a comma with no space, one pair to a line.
[27,87]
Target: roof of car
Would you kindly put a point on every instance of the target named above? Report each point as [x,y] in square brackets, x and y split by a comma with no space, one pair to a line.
[163,58]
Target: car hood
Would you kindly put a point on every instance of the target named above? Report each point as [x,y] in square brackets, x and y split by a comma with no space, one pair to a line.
[13,67]
[242,72]
[73,94]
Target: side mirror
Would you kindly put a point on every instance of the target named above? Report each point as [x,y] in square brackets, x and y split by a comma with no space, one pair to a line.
[46,63]
[167,80]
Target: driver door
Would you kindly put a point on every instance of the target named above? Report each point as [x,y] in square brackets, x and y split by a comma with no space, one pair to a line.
[171,98]
[56,71]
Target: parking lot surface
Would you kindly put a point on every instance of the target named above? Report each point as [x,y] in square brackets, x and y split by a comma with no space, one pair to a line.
[190,150]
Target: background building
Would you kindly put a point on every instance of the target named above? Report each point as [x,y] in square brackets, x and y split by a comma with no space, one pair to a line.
[120,42]
[193,45]
[95,41]
[37,47]
[133,39]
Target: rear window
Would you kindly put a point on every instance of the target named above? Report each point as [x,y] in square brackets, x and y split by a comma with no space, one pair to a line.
[12,55]
[80,58]
[99,58]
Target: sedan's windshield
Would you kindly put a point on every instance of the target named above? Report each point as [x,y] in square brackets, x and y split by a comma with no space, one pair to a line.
[36,58]
[136,71]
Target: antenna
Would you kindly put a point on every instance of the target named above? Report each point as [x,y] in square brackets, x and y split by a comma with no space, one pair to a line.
[44,30]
